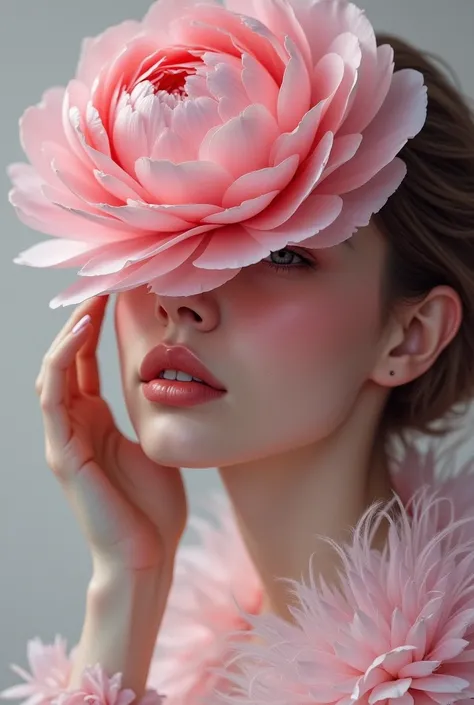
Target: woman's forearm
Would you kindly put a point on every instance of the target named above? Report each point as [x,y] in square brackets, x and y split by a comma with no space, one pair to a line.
[122,619]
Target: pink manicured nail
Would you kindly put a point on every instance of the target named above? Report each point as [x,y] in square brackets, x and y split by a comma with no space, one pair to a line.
[80,325]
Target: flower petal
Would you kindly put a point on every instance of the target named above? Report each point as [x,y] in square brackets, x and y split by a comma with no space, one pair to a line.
[300,140]
[220,30]
[242,144]
[279,16]
[288,202]
[96,51]
[259,85]
[113,258]
[224,81]
[24,690]
[395,660]
[85,188]
[171,147]
[161,15]
[190,212]
[440,683]
[98,137]
[190,182]
[166,261]
[417,669]
[42,123]
[372,89]
[104,163]
[117,188]
[134,275]
[192,120]
[315,213]
[360,205]
[73,111]
[401,117]
[393,689]
[294,99]
[231,247]
[189,280]
[83,289]
[259,182]
[47,218]
[129,136]
[36,211]
[373,677]
[145,218]
[327,78]
[107,90]
[344,149]
[57,253]
[448,649]
[245,210]
[323,21]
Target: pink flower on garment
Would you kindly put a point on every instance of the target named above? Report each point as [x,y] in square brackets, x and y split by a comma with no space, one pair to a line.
[197,141]
[51,670]
[97,688]
[215,583]
[50,673]
[400,631]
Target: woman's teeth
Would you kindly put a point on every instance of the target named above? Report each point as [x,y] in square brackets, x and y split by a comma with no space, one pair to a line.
[179,376]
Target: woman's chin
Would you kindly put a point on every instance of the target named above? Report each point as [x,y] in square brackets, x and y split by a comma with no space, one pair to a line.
[178,450]
[181,438]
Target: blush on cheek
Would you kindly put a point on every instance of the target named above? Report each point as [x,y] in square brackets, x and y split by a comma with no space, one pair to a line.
[314,337]
[350,319]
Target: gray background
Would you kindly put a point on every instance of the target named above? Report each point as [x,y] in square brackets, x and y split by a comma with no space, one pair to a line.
[44,565]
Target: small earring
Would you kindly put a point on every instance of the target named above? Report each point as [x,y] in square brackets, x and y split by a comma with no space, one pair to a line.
[392,372]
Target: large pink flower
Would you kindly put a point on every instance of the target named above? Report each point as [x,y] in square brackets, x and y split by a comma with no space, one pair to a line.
[196,142]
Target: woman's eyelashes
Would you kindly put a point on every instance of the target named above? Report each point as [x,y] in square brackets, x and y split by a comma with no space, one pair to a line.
[286,259]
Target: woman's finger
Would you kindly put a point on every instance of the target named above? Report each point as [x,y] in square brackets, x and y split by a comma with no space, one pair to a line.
[87,363]
[73,383]
[54,395]
[87,307]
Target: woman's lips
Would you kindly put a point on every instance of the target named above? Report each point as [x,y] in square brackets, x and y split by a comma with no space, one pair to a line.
[179,358]
[180,394]
[175,392]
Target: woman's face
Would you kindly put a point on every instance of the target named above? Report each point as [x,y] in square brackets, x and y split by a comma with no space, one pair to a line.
[293,339]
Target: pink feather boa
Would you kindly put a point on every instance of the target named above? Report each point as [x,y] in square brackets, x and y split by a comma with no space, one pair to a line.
[399,630]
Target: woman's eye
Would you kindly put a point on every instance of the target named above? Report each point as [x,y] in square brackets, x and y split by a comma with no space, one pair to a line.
[286,259]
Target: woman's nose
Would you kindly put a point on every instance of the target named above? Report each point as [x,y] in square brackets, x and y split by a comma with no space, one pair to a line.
[200,311]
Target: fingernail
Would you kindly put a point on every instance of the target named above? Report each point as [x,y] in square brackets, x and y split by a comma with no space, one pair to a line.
[80,325]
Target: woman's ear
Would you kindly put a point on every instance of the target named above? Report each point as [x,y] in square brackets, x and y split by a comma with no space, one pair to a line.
[416,335]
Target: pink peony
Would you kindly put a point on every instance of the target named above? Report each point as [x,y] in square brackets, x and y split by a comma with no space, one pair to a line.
[215,584]
[196,142]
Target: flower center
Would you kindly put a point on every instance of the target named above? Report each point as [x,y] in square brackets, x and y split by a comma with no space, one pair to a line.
[172,80]
[168,71]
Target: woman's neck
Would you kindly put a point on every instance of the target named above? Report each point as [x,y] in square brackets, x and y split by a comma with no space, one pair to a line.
[283,503]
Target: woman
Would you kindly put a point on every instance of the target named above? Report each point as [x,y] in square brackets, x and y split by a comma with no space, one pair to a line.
[309,362]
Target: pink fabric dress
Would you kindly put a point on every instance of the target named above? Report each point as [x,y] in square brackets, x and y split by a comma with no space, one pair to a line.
[399,630]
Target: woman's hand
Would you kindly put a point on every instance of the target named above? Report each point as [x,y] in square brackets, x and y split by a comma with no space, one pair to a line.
[131,510]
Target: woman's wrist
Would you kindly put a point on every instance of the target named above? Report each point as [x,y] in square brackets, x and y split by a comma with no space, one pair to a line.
[124,610]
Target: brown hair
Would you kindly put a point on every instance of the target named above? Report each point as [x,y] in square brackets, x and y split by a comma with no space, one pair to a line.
[429,224]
